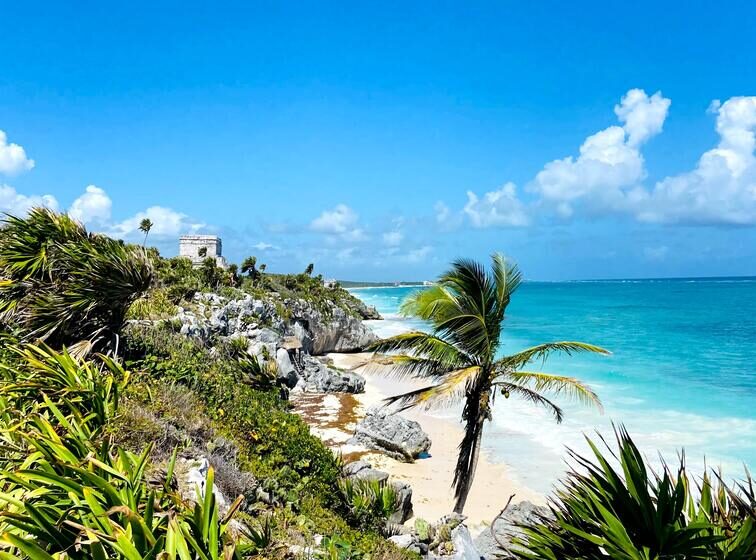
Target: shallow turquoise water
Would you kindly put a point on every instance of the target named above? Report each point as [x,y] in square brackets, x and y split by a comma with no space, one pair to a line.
[682,371]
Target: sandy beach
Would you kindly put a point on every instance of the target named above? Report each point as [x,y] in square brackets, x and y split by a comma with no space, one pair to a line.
[333,416]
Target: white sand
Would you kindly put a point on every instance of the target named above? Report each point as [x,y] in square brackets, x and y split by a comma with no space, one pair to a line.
[429,477]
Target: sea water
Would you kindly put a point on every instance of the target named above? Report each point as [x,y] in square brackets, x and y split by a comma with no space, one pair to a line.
[682,374]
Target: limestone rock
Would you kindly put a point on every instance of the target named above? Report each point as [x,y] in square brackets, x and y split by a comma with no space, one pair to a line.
[287,374]
[394,435]
[335,331]
[506,528]
[320,378]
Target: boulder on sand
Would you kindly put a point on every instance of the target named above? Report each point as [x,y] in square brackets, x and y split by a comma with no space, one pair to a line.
[505,528]
[392,434]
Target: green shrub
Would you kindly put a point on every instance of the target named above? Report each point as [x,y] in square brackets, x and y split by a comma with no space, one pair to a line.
[156,304]
[274,443]
[632,514]
[64,285]
[67,493]
[368,503]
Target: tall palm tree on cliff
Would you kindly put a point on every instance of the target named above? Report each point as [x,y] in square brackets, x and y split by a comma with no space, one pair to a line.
[145,226]
[460,356]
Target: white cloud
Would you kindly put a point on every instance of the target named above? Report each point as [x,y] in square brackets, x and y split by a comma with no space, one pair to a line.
[92,207]
[13,158]
[722,187]
[393,238]
[342,223]
[166,222]
[610,163]
[443,213]
[501,208]
[339,220]
[417,255]
[16,204]
[262,246]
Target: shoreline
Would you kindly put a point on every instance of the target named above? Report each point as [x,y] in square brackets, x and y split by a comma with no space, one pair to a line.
[332,417]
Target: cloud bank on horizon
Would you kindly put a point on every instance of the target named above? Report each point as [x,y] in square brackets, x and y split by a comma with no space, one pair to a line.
[607,177]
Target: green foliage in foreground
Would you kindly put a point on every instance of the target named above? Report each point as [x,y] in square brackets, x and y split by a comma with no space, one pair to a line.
[631,514]
[64,285]
[66,492]
[368,503]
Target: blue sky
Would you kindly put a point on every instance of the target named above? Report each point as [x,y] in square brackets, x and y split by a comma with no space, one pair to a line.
[381,140]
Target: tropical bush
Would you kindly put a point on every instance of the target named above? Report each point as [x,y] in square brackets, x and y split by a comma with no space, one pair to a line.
[368,503]
[274,443]
[66,492]
[64,285]
[614,507]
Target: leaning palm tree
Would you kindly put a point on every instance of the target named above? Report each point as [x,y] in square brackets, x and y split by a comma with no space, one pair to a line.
[460,356]
[145,226]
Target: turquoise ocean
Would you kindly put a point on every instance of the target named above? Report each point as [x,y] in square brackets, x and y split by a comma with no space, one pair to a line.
[682,373]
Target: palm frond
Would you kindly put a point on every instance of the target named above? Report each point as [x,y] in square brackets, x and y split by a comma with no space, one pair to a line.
[403,366]
[532,396]
[542,351]
[423,345]
[558,385]
[450,390]
[507,278]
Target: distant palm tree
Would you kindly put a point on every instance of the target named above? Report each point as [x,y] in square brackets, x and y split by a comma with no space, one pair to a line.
[145,225]
[249,267]
[309,269]
[465,310]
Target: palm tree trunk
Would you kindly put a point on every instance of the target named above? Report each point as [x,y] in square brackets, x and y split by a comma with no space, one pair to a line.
[465,483]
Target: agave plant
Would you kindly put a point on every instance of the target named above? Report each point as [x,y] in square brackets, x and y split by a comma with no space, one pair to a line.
[627,512]
[64,285]
[368,503]
[66,493]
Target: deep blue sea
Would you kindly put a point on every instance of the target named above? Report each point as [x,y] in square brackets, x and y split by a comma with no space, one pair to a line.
[682,373]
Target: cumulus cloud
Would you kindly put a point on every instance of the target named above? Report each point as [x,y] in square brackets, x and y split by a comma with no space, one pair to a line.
[500,208]
[16,204]
[610,163]
[13,158]
[393,238]
[341,222]
[166,222]
[338,220]
[722,187]
[418,255]
[263,246]
[92,207]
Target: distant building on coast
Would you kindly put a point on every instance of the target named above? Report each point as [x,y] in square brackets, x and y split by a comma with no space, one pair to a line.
[197,248]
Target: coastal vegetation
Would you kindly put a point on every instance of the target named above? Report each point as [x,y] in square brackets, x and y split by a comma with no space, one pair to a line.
[98,420]
[123,438]
[613,506]
[460,356]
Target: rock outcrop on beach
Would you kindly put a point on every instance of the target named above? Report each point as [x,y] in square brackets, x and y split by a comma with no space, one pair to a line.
[505,528]
[319,378]
[392,434]
[319,331]
[333,331]
[265,326]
